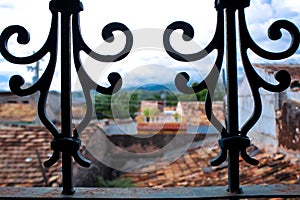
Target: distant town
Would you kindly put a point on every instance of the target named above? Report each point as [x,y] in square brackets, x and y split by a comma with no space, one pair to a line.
[134,126]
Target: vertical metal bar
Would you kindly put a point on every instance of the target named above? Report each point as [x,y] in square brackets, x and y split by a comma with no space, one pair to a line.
[232,99]
[66,103]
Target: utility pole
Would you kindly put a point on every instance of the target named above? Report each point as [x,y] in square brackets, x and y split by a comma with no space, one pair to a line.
[36,76]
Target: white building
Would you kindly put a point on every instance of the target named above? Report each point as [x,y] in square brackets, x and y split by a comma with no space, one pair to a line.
[265,132]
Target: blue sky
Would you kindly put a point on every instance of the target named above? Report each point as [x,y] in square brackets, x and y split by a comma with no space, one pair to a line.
[140,16]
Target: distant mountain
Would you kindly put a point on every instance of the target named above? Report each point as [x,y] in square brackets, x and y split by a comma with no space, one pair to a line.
[154,87]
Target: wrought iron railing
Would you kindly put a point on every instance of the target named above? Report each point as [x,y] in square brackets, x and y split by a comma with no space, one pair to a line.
[234,140]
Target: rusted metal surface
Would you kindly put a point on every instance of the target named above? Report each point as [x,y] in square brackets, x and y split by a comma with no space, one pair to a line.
[288,123]
[255,191]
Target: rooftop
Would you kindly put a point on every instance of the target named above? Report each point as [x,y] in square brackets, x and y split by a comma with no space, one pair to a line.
[193,169]
[23,149]
[17,112]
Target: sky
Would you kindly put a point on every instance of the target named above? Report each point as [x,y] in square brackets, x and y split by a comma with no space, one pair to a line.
[147,62]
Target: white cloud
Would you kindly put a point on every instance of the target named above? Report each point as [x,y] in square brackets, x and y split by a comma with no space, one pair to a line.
[4,86]
[137,15]
[261,14]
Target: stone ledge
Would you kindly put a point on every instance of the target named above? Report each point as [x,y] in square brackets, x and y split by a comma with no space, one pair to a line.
[219,192]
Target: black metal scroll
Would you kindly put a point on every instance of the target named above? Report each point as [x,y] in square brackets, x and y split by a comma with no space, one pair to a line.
[234,140]
[66,141]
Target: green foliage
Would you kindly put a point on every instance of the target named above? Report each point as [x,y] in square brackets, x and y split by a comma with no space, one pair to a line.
[200,96]
[176,115]
[171,99]
[127,103]
[118,182]
[150,112]
[134,104]
[103,106]
[121,105]
[147,112]
[154,97]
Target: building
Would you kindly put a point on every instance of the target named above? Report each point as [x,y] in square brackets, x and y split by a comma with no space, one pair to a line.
[279,110]
[16,110]
[154,105]
[194,111]
[154,120]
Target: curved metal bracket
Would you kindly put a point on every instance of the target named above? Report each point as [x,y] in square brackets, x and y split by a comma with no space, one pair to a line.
[234,139]
[65,141]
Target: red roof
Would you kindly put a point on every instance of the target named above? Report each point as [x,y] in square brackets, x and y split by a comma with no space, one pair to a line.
[161,126]
[193,169]
[20,149]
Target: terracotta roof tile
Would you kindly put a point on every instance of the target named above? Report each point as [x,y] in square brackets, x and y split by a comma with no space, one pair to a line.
[15,109]
[272,169]
[17,112]
[19,164]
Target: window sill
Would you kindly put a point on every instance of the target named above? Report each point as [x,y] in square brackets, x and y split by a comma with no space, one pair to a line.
[219,192]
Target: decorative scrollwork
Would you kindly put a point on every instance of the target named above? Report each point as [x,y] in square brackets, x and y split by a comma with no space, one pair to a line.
[69,143]
[210,81]
[61,143]
[43,84]
[283,77]
[87,83]
[238,141]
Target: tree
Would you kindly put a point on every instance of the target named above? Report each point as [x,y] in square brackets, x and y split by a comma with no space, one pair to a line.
[171,99]
[125,104]
[121,105]
[103,106]
[200,96]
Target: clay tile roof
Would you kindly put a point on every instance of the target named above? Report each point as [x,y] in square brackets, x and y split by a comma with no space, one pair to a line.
[19,165]
[193,169]
[17,112]
[16,109]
